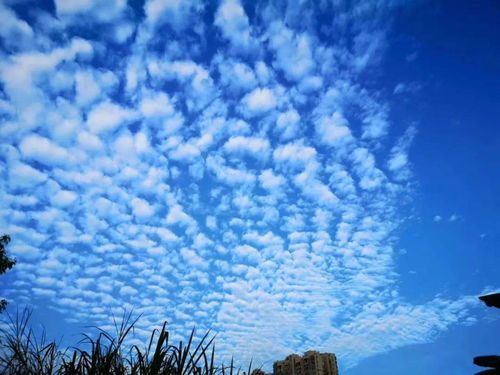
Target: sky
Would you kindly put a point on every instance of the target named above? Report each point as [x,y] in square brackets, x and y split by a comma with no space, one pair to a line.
[292,175]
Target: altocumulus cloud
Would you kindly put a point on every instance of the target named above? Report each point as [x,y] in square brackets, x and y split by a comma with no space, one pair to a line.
[232,173]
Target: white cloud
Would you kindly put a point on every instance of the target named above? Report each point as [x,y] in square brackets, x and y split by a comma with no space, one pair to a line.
[406,87]
[247,252]
[176,215]
[34,147]
[270,181]
[233,22]
[236,77]
[259,101]
[376,124]
[89,141]
[24,251]
[398,162]
[288,124]
[264,240]
[176,13]
[192,258]
[211,222]
[311,84]
[198,85]
[128,291]
[65,7]
[197,170]
[141,143]
[167,235]
[370,176]
[108,116]
[317,191]
[23,175]
[230,176]
[234,176]
[123,31]
[64,198]
[142,209]
[83,282]
[333,130]
[295,154]
[14,31]
[87,88]
[97,10]
[263,72]
[124,145]
[293,52]
[185,151]
[238,127]
[129,173]
[257,147]
[201,241]
[21,73]
[244,75]
[157,105]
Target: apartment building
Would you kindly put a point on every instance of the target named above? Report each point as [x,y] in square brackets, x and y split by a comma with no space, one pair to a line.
[311,363]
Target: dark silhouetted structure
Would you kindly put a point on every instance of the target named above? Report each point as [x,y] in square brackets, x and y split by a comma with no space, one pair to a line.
[492,361]
[311,363]
[258,371]
[491,300]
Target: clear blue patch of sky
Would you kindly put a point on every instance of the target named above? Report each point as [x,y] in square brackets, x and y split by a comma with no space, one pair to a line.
[448,54]
[455,155]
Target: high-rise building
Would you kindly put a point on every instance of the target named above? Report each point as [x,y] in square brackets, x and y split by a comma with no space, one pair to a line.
[311,363]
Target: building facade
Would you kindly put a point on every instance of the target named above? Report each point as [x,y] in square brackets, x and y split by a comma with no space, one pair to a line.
[311,363]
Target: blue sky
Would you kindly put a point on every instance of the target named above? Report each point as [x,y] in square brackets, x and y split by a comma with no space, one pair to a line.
[292,175]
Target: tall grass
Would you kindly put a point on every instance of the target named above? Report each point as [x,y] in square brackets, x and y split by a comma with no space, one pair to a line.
[21,352]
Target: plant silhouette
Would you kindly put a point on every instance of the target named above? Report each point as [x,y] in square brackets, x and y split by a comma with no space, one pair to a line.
[5,263]
[22,353]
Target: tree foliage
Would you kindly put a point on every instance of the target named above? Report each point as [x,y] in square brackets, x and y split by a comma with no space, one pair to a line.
[5,263]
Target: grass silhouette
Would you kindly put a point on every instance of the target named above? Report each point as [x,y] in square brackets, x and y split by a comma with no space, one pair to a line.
[21,352]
